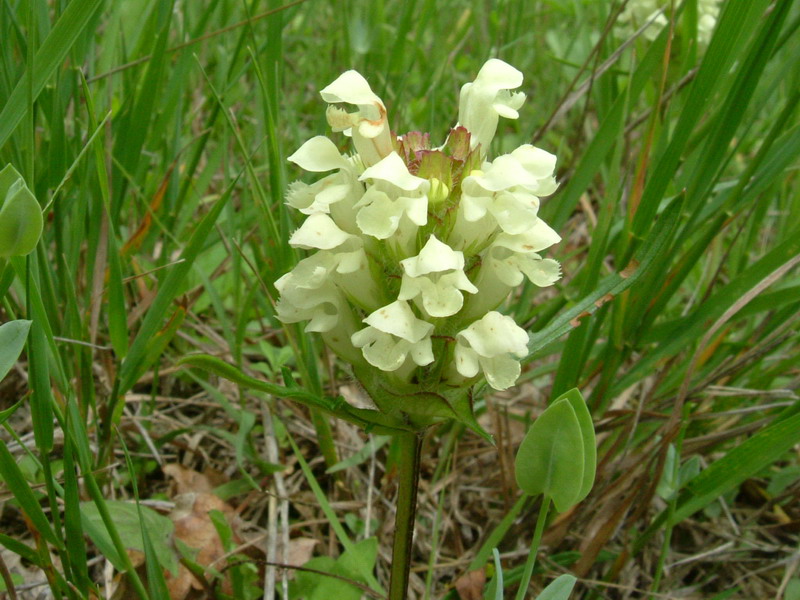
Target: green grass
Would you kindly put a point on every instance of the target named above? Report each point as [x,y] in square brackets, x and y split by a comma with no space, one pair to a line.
[155,134]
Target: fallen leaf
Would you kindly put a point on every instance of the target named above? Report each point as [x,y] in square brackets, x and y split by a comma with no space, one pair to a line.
[188,480]
[470,585]
[194,527]
[300,551]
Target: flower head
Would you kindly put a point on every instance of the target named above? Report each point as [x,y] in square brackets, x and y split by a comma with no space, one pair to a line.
[420,244]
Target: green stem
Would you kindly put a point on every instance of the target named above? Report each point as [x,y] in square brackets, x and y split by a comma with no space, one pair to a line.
[324,437]
[408,486]
[537,538]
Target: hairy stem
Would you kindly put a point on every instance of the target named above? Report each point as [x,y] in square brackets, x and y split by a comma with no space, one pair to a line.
[408,484]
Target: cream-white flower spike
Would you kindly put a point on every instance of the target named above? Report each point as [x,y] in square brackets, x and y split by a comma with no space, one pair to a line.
[368,125]
[493,345]
[415,246]
[437,274]
[488,98]
[394,333]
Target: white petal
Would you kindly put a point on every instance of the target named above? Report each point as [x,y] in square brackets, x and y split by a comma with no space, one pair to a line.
[515,212]
[537,238]
[504,110]
[350,87]
[319,196]
[398,319]
[308,294]
[422,352]
[475,199]
[541,272]
[501,371]
[496,335]
[498,75]
[459,280]
[466,360]
[380,349]
[393,170]
[416,209]
[318,231]
[536,161]
[506,266]
[379,216]
[435,256]
[509,267]
[506,172]
[319,154]
[546,186]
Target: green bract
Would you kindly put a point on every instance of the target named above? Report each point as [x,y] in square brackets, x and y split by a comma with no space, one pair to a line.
[558,456]
[20,215]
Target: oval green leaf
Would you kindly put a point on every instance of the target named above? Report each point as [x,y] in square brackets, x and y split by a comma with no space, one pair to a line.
[12,339]
[550,460]
[20,215]
[575,400]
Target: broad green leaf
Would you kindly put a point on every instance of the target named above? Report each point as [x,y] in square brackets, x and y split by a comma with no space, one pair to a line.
[316,586]
[550,460]
[575,399]
[16,579]
[354,561]
[12,340]
[361,558]
[558,589]
[126,519]
[668,484]
[20,215]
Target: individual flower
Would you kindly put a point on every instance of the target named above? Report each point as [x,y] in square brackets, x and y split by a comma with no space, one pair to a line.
[309,294]
[505,192]
[415,246]
[487,99]
[493,344]
[394,193]
[393,334]
[367,125]
[437,275]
